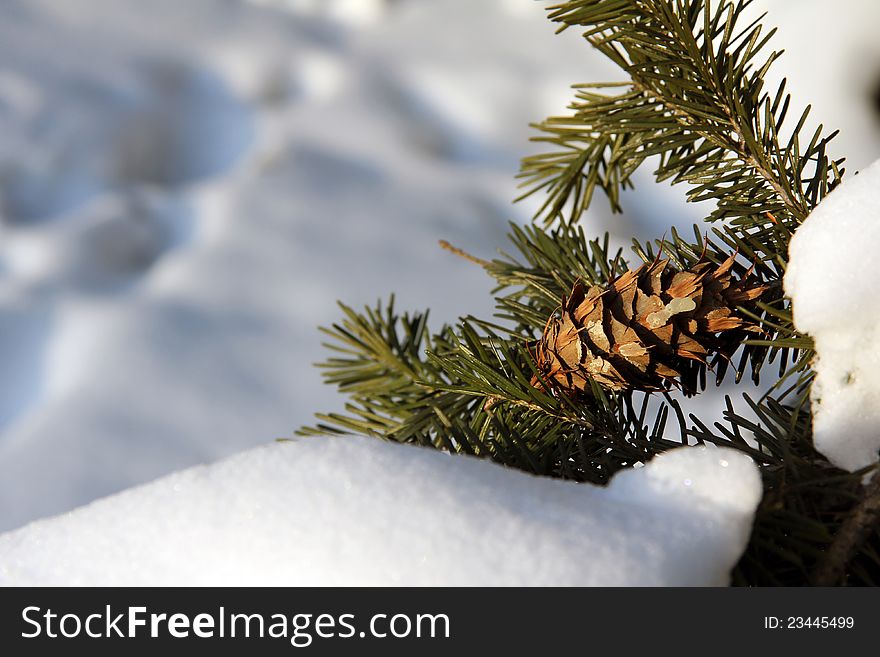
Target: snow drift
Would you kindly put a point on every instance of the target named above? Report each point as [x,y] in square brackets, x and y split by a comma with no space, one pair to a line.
[354,511]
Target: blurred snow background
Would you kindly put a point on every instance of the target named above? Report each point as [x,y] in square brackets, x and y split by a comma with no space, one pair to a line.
[186,188]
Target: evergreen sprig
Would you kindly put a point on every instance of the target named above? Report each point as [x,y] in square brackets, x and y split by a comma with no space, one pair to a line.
[695,102]
[696,99]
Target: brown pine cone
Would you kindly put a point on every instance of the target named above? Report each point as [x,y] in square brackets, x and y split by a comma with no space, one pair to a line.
[651,328]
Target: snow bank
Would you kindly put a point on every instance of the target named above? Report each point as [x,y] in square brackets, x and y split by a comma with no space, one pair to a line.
[353,511]
[833,287]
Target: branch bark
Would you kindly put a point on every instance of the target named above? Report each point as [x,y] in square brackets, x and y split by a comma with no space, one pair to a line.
[861,521]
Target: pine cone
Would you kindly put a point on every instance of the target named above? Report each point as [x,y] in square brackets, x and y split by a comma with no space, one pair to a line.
[651,328]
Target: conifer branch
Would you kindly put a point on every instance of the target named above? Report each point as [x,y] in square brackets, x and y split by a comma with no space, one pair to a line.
[695,97]
[695,100]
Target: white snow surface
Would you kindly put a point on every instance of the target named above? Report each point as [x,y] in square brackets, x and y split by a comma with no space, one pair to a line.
[186,191]
[355,511]
[187,188]
[832,284]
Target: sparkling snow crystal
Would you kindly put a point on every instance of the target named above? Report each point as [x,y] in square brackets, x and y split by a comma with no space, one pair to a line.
[832,282]
[352,511]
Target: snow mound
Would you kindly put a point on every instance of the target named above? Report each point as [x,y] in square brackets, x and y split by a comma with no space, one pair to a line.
[354,511]
[833,291]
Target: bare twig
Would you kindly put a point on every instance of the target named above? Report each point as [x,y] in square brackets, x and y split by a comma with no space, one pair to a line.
[463,254]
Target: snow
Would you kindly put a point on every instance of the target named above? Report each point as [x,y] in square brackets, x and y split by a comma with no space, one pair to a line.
[833,290]
[356,511]
[185,191]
